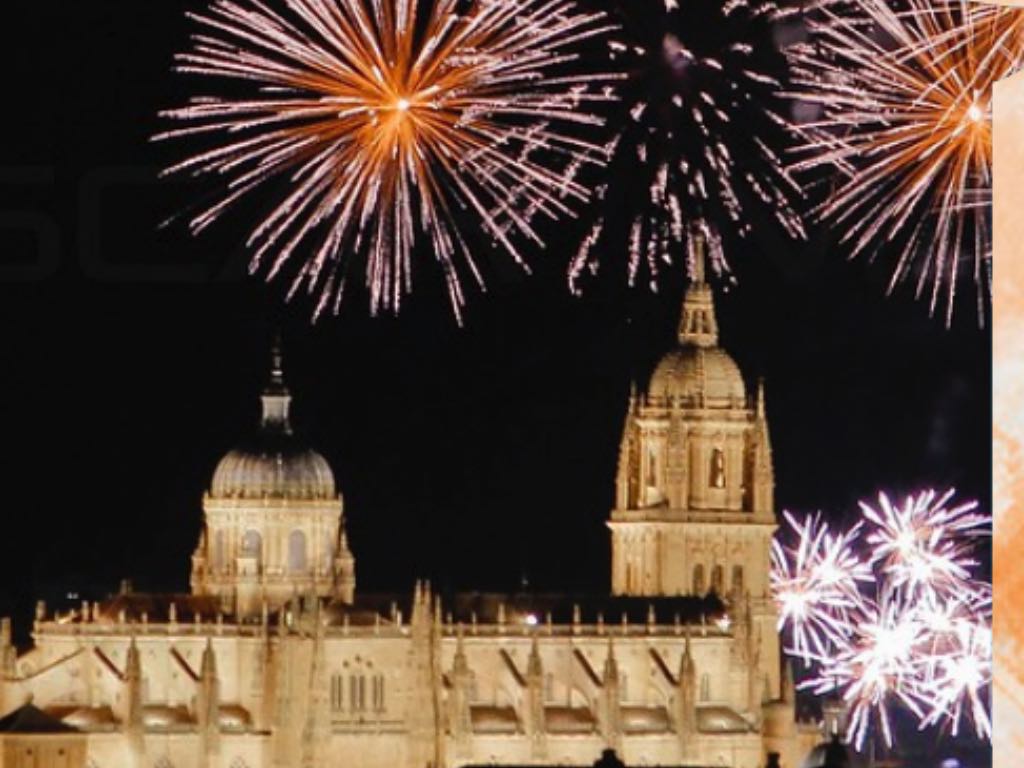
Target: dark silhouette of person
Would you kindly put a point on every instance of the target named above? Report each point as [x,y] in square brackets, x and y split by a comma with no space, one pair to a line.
[609,759]
[836,755]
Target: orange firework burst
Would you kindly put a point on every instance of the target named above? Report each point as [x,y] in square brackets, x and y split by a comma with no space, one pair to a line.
[906,92]
[391,118]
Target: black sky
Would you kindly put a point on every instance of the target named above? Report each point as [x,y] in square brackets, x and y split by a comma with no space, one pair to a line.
[477,456]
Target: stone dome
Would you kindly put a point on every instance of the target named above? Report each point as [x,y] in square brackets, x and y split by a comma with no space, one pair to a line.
[274,464]
[698,373]
[273,472]
[689,374]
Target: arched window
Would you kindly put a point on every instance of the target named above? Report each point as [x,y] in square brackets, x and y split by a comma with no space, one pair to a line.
[705,688]
[219,551]
[337,693]
[252,546]
[717,579]
[698,579]
[378,693]
[716,478]
[737,578]
[297,552]
[357,693]
[652,467]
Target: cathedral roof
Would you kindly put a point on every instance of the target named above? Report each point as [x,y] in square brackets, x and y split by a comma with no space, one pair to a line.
[273,463]
[698,373]
[491,607]
[157,608]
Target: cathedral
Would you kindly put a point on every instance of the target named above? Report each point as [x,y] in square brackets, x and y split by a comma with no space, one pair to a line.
[276,660]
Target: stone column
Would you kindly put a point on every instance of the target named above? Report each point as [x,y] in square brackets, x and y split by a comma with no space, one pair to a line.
[611,717]
[686,703]
[132,716]
[208,709]
[459,717]
[536,729]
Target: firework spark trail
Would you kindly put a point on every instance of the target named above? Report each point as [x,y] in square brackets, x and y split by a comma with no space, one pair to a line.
[388,120]
[879,662]
[905,94]
[925,545]
[703,120]
[921,639]
[816,585]
[959,675]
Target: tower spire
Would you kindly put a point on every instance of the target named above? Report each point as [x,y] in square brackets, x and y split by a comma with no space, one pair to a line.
[276,398]
[698,326]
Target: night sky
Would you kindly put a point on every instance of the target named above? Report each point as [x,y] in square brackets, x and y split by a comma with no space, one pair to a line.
[482,457]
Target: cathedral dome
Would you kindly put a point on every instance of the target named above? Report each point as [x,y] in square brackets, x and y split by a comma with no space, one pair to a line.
[691,374]
[698,372]
[274,464]
[273,472]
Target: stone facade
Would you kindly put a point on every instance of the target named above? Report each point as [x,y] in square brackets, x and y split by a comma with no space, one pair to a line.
[695,488]
[274,660]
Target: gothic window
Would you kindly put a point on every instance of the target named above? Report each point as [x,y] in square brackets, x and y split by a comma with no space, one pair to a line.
[652,467]
[337,693]
[705,688]
[378,693]
[252,546]
[717,475]
[717,579]
[357,693]
[297,552]
[698,579]
[737,578]
[218,551]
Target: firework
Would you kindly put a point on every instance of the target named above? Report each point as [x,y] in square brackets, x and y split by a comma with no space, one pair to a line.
[389,121]
[920,639]
[924,545]
[702,125]
[960,671]
[878,662]
[815,584]
[905,93]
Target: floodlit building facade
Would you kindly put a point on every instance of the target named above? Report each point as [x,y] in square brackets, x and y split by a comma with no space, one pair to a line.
[275,660]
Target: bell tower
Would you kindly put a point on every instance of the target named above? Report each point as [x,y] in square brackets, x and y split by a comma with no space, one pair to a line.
[273,517]
[694,510]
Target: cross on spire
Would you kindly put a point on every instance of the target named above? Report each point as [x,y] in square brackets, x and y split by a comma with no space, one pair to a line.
[276,397]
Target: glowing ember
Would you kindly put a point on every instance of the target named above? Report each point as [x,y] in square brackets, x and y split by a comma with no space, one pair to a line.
[905,93]
[920,639]
[386,120]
